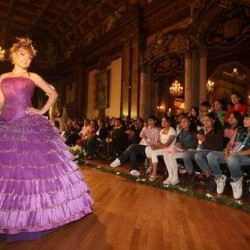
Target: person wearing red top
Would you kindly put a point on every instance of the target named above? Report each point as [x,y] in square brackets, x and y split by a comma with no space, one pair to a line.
[238,105]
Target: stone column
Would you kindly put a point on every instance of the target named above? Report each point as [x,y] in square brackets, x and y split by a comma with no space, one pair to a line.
[126,79]
[142,93]
[195,79]
[203,75]
[188,81]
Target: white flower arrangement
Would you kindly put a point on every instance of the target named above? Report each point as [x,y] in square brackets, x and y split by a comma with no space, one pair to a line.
[78,153]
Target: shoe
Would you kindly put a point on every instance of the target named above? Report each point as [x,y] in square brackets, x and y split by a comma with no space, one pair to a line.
[135,172]
[148,170]
[237,188]
[174,182]
[220,182]
[210,183]
[115,163]
[191,179]
[152,178]
[167,181]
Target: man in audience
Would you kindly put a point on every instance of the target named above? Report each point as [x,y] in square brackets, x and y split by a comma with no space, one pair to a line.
[149,136]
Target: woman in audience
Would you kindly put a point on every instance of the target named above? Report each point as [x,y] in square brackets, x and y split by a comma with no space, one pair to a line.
[186,139]
[235,120]
[194,117]
[210,138]
[167,138]
[237,105]
[95,144]
[237,154]
[84,131]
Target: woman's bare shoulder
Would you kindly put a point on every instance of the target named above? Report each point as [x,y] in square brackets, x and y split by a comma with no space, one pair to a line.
[4,75]
[34,76]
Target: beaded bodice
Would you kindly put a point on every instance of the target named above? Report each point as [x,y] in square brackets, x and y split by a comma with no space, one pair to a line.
[18,92]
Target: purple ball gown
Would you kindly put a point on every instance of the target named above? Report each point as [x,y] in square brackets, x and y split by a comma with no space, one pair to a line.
[41,187]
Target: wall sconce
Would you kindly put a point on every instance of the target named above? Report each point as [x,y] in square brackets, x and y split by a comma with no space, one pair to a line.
[182,106]
[160,108]
[2,54]
[176,89]
[210,86]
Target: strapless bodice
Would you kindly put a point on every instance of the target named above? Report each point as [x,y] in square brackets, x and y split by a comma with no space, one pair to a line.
[18,92]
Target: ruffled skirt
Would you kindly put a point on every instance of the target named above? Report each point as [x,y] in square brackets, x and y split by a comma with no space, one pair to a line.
[41,187]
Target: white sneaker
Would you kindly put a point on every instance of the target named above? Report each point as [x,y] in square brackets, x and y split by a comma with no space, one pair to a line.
[167,181]
[237,188]
[220,182]
[135,172]
[115,163]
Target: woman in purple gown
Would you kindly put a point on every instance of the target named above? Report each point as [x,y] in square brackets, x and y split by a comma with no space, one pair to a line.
[41,187]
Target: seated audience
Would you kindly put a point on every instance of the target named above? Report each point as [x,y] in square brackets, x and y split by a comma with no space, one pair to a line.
[194,118]
[74,134]
[167,138]
[204,110]
[219,110]
[94,145]
[210,138]
[116,141]
[149,136]
[84,132]
[237,154]
[237,105]
[186,139]
[235,120]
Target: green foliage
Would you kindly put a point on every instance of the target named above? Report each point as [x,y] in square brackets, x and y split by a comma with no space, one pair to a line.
[239,204]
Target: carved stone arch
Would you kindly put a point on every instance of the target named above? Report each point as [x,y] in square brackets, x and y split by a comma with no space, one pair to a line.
[231,18]
[231,77]
[169,64]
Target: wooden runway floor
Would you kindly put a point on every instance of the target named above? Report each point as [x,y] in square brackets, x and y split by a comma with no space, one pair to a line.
[133,216]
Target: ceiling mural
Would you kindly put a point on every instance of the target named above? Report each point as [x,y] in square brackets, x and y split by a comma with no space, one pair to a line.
[65,23]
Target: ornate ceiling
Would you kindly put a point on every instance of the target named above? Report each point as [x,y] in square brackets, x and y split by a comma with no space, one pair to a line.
[65,22]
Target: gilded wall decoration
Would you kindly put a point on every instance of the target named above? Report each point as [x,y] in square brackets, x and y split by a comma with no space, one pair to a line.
[171,62]
[101,90]
[230,27]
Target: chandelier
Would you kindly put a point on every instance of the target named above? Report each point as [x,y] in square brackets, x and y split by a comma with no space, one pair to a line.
[176,89]
[210,86]
[2,54]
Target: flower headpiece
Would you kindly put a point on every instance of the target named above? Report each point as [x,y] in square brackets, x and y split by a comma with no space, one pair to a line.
[26,42]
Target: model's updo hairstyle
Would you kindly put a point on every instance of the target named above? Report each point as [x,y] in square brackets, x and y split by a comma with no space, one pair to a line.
[23,43]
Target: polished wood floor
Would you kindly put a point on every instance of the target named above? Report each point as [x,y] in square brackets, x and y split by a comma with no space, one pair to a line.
[134,216]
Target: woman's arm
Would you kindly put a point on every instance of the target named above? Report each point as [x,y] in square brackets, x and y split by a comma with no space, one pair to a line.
[48,89]
[1,96]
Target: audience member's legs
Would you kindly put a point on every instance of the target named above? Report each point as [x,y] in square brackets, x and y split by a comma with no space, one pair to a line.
[201,160]
[234,163]
[154,157]
[188,156]
[172,167]
[131,153]
[214,159]
[135,151]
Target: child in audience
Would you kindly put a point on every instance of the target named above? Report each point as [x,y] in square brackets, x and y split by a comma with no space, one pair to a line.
[186,139]
[167,138]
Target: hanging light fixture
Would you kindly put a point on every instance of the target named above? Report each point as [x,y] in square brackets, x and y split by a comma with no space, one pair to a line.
[176,89]
[210,86]
[2,54]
